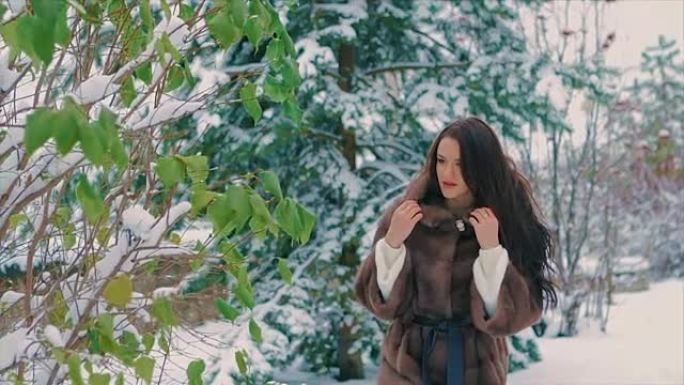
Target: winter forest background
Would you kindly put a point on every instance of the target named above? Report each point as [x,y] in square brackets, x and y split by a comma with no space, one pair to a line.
[187,187]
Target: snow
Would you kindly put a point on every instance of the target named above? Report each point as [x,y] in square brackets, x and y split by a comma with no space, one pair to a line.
[648,321]
[10,297]
[14,135]
[12,347]
[169,110]
[205,121]
[138,220]
[550,84]
[7,76]
[53,335]
[177,31]
[645,322]
[95,88]
[17,6]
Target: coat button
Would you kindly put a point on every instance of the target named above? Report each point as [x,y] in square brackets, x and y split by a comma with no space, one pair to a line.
[460,225]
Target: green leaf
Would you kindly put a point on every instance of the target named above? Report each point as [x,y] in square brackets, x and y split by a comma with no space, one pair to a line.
[263,17]
[74,364]
[65,131]
[230,210]
[119,290]
[69,236]
[294,219]
[226,310]
[249,100]
[197,167]
[292,110]
[148,342]
[163,343]
[186,12]
[237,11]
[244,295]
[275,89]
[167,10]
[188,74]
[39,129]
[58,310]
[274,50]
[144,367]
[231,253]
[171,170]
[144,72]
[146,16]
[290,71]
[284,270]
[130,347]
[92,142]
[194,371]
[162,310]
[92,203]
[255,331]
[43,28]
[170,48]
[175,78]
[127,91]
[240,359]
[62,32]
[253,30]
[307,220]
[200,198]
[223,29]
[16,219]
[99,379]
[270,183]
[261,217]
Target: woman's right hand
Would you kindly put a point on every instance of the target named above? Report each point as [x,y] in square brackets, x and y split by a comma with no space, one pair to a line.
[404,218]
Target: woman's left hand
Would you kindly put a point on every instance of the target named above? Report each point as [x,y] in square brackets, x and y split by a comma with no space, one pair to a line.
[486,227]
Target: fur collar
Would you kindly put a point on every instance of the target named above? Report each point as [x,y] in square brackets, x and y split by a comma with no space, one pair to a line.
[435,215]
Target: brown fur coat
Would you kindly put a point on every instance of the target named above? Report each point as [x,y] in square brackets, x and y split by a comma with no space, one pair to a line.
[437,281]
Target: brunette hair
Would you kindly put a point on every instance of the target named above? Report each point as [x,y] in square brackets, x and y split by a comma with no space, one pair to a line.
[495,182]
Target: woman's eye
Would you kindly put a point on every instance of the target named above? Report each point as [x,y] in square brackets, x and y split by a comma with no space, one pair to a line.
[440,160]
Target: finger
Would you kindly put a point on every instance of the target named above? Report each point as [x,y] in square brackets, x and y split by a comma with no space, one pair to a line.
[403,206]
[478,217]
[474,219]
[413,211]
[417,217]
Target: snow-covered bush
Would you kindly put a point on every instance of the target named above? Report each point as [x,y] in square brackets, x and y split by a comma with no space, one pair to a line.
[96,195]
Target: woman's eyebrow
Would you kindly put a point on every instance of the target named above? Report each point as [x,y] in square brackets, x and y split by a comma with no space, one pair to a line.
[442,156]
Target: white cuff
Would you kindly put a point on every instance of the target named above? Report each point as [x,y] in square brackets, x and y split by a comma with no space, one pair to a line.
[389,262]
[488,272]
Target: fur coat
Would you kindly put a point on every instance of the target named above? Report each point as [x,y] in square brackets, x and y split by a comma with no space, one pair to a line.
[436,281]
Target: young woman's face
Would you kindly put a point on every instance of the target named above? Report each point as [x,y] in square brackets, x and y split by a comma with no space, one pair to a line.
[448,167]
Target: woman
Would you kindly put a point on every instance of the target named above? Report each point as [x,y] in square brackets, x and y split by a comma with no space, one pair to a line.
[458,263]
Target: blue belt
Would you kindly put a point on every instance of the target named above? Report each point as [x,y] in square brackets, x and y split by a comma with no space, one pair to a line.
[455,348]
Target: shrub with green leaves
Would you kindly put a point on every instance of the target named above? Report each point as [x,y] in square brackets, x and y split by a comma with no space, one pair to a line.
[94,195]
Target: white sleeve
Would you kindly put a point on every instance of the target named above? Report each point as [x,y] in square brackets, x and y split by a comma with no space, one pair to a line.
[388,262]
[488,273]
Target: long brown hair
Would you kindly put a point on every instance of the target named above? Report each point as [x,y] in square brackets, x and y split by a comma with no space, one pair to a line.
[495,182]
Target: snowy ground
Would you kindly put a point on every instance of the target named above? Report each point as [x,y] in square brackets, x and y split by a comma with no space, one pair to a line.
[644,345]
